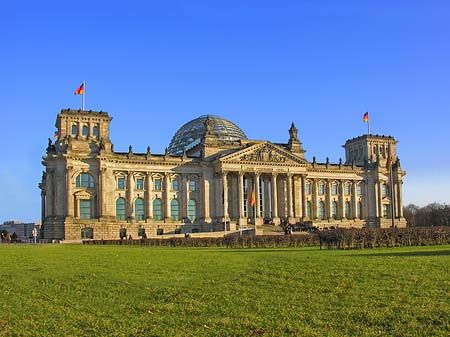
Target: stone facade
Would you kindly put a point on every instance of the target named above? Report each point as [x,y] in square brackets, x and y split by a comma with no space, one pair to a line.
[90,191]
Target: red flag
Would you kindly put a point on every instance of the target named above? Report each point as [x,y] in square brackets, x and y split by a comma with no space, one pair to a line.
[252,197]
[80,90]
[366,117]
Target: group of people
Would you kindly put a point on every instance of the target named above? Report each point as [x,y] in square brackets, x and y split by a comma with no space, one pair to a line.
[6,237]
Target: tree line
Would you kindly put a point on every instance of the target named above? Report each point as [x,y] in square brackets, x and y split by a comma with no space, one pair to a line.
[434,214]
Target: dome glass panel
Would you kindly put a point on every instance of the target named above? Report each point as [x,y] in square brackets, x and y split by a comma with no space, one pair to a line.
[191,133]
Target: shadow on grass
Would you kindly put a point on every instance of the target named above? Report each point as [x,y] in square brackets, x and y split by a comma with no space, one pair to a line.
[403,254]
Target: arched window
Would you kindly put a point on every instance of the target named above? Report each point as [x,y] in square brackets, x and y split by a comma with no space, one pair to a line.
[139,212]
[360,207]
[84,180]
[74,129]
[95,131]
[334,210]
[157,209]
[192,210]
[321,210]
[120,209]
[347,210]
[308,209]
[84,131]
[174,209]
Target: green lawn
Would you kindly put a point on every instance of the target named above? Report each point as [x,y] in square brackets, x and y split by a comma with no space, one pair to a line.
[74,290]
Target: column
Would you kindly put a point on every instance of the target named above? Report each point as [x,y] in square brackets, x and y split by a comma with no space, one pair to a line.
[70,197]
[289,196]
[257,200]
[378,199]
[274,198]
[341,199]
[242,219]
[355,200]
[184,197]
[400,199]
[303,191]
[43,215]
[328,199]
[148,199]
[49,192]
[205,192]
[225,195]
[266,210]
[130,190]
[166,196]
[316,200]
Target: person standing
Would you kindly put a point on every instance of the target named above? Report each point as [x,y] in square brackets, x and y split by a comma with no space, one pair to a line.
[34,234]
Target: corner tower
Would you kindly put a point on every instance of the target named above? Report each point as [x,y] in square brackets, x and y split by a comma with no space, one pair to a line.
[370,149]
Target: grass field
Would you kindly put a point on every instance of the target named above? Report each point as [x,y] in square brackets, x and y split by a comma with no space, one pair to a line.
[74,290]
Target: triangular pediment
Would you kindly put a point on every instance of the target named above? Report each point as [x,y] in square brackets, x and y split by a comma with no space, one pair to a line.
[264,153]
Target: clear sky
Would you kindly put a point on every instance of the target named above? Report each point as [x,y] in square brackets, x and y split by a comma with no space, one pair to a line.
[154,65]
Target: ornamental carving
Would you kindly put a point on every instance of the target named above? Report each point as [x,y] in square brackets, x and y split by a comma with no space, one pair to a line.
[264,154]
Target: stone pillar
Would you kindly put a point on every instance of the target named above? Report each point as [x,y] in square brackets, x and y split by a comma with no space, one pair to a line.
[354,200]
[148,198]
[315,206]
[303,191]
[130,196]
[341,199]
[70,196]
[43,215]
[258,219]
[49,193]
[275,217]
[289,198]
[166,197]
[328,198]
[184,197]
[225,196]
[400,199]
[242,218]
[266,211]
[205,193]
[378,199]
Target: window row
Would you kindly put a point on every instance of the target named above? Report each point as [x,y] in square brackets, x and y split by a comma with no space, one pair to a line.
[334,211]
[84,130]
[157,184]
[321,188]
[158,212]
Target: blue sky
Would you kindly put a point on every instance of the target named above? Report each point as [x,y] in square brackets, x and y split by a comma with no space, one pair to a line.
[154,65]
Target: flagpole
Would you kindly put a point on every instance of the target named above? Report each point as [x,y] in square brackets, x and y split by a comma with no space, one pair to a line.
[82,96]
[368,125]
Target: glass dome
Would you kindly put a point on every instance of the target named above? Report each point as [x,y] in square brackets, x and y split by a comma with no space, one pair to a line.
[190,134]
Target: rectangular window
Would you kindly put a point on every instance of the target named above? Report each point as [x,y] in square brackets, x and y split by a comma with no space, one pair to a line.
[321,189]
[157,185]
[334,189]
[359,189]
[85,209]
[175,186]
[192,185]
[385,211]
[139,183]
[308,188]
[120,183]
[347,189]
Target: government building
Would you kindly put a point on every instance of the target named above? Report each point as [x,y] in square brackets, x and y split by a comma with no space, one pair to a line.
[211,178]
